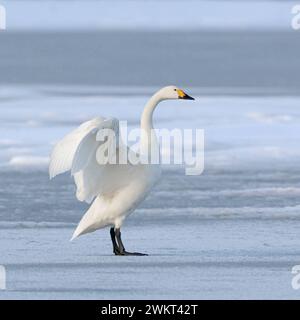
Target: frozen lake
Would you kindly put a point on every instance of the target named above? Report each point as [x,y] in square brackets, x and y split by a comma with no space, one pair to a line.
[232,232]
[189,258]
[229,233]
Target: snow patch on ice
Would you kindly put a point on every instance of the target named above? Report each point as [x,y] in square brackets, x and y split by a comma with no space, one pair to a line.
[287,212]
[34,225]
[270,118]
[257,192]
[29,162]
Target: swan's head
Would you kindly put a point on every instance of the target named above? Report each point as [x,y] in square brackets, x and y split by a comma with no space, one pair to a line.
[172,92]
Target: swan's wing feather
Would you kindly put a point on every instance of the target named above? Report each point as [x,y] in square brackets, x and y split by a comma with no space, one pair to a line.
[92,173]
[84,151]
[92,176]
[63,153]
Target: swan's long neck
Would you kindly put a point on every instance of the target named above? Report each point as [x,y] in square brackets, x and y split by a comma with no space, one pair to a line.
[149,142]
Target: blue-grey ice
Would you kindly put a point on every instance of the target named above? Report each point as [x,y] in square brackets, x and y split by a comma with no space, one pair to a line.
[229,233]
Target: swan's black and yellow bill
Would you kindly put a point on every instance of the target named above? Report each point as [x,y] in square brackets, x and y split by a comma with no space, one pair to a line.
[183,95]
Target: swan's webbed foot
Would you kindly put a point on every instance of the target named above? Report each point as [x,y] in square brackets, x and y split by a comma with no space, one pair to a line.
[126,253]
[118,247]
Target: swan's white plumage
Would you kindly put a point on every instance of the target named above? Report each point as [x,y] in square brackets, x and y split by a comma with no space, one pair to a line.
[115,189]
[79,152]
[63,153]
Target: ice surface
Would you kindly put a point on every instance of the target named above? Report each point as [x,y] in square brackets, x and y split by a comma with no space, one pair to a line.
[213,259]
[229,233]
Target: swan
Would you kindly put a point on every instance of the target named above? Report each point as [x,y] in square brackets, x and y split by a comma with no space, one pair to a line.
[114,189]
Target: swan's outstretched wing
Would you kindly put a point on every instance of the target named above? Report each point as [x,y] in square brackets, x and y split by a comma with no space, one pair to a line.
[63,153]
[82,152]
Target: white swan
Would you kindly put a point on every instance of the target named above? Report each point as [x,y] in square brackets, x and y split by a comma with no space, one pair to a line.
[117,189]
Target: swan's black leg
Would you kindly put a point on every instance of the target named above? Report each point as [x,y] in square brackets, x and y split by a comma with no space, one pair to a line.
[114,242]
[121,247]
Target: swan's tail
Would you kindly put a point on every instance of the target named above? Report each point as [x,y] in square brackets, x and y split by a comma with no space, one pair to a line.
[76,233]
[92,219]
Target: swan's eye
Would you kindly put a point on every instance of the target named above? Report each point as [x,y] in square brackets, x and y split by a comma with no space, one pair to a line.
[175,89]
